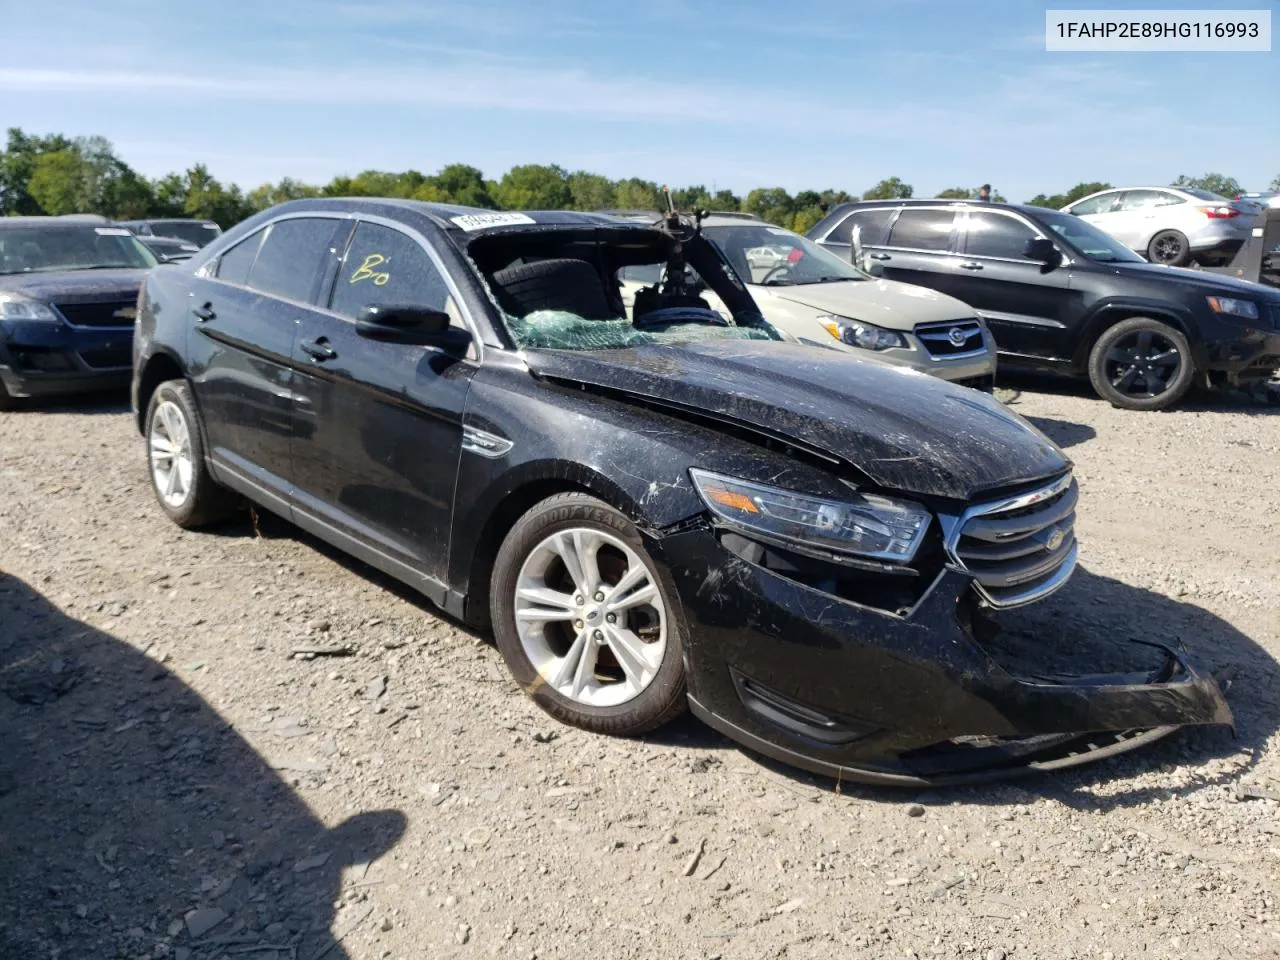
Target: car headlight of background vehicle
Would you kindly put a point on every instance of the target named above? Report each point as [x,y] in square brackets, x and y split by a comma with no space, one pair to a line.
[1234,307]
[856,333]
[864,524]
[14,307]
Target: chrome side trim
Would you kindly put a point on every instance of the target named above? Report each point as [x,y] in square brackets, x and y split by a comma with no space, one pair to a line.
[475,440]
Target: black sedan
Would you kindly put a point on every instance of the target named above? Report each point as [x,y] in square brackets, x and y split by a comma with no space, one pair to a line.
[649,508]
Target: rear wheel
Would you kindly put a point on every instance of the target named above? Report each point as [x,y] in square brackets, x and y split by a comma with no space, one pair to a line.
[1142,364]
[584,619]
[1169,247]
[175,457]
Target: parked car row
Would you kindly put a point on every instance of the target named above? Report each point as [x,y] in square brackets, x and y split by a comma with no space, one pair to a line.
[652,495]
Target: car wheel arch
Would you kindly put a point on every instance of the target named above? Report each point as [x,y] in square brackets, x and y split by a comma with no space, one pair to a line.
[159,367]
[473,553]
[1108,315]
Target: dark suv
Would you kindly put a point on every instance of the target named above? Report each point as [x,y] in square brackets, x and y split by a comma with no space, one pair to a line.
[1061,295]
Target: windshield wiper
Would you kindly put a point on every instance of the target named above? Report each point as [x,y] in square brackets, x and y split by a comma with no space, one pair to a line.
[778,283]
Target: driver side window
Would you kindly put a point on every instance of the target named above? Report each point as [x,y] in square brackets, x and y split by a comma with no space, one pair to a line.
[385,266]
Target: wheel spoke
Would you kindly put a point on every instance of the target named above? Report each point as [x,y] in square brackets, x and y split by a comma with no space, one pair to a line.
[646,594]
[1124,381]
[628,650]
[1166,358]
[161,447]
[550,604]
[578,550]
[171,481]
[1119,354]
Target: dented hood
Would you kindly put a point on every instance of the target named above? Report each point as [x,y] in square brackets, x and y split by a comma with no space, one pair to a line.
[906,431]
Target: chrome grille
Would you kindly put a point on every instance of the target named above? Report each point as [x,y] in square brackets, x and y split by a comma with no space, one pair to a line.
[950,341]
[102,313]
[1021,548]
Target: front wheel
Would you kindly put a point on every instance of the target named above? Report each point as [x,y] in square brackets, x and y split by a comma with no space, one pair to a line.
[175,457]
[584,620]
[1142,364]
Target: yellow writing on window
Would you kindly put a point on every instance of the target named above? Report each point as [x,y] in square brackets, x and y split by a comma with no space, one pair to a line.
[366,272]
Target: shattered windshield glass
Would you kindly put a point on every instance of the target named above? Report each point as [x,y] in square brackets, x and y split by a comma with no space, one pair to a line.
[558,330]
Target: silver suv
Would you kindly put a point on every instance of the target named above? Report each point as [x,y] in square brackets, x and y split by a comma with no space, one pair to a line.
[1172,225]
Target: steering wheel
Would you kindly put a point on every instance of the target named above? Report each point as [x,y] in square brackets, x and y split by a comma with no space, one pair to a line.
[772,271]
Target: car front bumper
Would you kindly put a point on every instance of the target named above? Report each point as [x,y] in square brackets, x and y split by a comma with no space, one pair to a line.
[1241,355]
[977,368]
[862,694]
[39,358]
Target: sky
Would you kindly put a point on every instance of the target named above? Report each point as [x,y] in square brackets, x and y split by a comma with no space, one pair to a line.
[728,93]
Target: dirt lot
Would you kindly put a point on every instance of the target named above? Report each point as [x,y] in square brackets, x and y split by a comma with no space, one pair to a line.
[176,782]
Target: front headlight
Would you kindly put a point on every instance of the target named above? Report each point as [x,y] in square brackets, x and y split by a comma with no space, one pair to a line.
[1246,309]
[864,524]
[859,334]
[14,307]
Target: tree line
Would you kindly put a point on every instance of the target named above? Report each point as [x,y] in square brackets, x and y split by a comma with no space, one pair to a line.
[55,175]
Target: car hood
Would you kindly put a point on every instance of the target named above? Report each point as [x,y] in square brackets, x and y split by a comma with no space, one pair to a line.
[906,431]
[886,303]
[1209,282]
[69,286]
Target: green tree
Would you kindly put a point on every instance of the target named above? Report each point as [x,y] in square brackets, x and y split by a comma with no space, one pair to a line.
[636,194]
[534,186]
[1275,184]
[806,218]
[726,201]
[831,198]
[591,191]
[1213,182]
[269,194]
[461,184]
[17,162]
[169,195]
[207,199]
[957,193]
[61,182]
[773,204]
[1056,201]
[693,198]
[889,189]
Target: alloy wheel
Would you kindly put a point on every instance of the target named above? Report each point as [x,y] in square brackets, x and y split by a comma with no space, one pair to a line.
[1143,364]
[1167,249]
[590,617]
[172,466]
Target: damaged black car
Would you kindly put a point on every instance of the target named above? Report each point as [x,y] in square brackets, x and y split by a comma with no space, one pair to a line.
[651,507]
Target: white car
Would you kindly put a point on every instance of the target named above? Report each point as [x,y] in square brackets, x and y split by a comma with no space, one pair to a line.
[764,258]
[1172,225]
[813,296]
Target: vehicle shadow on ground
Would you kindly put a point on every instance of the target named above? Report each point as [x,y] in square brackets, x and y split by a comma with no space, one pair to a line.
[1233,401]
[109,401]
[1081,617]
[135,822]
[1065,433]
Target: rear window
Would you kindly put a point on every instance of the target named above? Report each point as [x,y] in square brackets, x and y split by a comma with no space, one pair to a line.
[922,229]
[292,256]
[194,231]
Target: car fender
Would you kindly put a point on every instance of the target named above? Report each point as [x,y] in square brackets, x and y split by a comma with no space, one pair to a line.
[1106,313]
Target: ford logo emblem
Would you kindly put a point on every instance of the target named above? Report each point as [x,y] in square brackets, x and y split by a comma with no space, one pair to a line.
[1056,536]
[957,336]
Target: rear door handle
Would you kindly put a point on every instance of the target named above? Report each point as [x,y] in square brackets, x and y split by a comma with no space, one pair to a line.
[204,313]
[318,349]
[970,266]
[879,256]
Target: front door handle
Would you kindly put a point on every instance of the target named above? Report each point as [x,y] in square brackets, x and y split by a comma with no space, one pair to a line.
[879,256]
[204,313]
[970,266]
[318,349]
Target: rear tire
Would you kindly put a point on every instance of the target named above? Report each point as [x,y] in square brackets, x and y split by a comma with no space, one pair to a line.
[1141,364]
[597,642]
[1169,247]
[185,490]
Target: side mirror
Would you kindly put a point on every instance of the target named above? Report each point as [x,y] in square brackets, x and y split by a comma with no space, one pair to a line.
[392,323]
[1042,250]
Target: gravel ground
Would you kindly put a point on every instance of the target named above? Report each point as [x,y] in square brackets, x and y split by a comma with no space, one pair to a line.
[177,781]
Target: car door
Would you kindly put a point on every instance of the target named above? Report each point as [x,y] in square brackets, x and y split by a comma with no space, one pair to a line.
[1027,307]
[378,426]
[1133,218]
[919,248]
[245,312]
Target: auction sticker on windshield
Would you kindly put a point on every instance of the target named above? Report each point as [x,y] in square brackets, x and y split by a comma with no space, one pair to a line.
[111,231]
[482,221]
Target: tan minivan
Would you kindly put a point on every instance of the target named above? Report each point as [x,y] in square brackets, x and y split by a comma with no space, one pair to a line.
[812,295]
